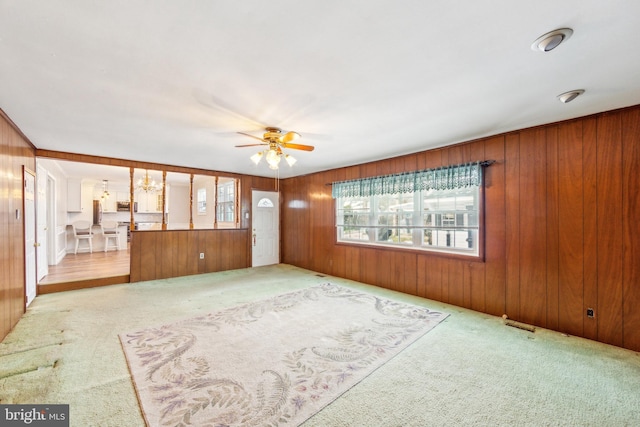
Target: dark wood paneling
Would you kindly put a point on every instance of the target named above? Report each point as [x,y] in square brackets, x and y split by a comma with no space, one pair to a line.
[512,237]
[436,269]
[352,263]
[6,278]
[368,267]
[171,253]
[382,268]
[609,211]
[16,152]
[570,242]
[422,273]
[560,222]
[150,254]
[168,242]
[495,230]
[553,226]
[533,233]
[590,251]
[631,227]
[192,247]
[410,285]
[206,247]
[455,282]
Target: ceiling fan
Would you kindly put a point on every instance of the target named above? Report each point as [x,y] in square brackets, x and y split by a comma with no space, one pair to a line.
[275,140]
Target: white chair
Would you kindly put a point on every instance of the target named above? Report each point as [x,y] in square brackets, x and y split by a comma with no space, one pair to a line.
[82,231]
[110,231]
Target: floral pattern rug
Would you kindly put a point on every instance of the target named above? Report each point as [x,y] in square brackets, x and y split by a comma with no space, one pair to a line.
[274,362]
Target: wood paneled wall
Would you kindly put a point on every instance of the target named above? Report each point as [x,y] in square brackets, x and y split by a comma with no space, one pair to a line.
[16,152]
[562,204]
[172,253]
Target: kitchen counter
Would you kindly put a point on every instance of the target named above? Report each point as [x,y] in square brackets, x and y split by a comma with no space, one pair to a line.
[144,226]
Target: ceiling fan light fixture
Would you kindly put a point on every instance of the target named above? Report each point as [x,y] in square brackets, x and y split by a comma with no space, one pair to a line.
[570,96]
[273,159]
[257,157]
[549,41]
[276,141]
[290,160]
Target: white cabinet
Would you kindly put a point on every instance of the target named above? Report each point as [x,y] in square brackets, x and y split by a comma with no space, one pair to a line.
[108,204]
[74,195]
[121,196]
[149,202]
[140,198]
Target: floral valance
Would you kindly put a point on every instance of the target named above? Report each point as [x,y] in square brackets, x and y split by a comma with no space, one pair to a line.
[444,178]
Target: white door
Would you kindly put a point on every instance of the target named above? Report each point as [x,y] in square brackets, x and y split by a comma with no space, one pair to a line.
[265,226]
[41,221]
[30,235]
[52,247]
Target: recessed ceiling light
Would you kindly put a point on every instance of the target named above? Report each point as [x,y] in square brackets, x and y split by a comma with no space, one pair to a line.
[551,40]
[570,96]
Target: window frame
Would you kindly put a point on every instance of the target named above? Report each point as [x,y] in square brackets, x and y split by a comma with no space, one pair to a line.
[421,249]
[228,201]
[201,201]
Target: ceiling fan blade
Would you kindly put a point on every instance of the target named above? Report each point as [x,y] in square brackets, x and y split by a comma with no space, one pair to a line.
[250,145]
[251,136]
[298,146]
[289,136]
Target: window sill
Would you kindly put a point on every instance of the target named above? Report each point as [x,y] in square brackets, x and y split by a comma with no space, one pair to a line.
[414,250]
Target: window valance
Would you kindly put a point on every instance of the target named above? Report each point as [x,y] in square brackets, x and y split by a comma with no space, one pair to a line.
[444,178]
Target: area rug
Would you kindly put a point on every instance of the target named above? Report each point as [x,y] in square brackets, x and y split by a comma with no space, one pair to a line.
[274,362]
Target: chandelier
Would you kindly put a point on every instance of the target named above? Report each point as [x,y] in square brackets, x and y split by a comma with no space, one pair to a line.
[147,184]
[273,156]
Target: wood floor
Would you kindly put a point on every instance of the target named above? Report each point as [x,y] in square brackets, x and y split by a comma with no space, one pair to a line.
[83,270]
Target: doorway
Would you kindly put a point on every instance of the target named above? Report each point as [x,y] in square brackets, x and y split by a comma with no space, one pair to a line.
[42,225]
[265,226]
[52,221]
[29,235]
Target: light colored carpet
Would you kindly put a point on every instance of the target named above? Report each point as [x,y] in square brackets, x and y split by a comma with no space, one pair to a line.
[271,362]
[470,370]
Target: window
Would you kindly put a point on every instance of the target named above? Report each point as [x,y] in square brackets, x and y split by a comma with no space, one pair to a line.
[215,201]
[202,201]
[265,203]
[226,201]
[410,211]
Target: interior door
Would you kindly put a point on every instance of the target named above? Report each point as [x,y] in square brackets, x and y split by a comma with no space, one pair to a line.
[52,245]
[265,226]
[42,261]
[30,235]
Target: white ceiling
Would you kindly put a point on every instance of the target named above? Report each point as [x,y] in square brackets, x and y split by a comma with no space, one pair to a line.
[174,81]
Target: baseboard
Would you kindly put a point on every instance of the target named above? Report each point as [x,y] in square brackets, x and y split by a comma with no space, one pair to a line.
[60,256]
